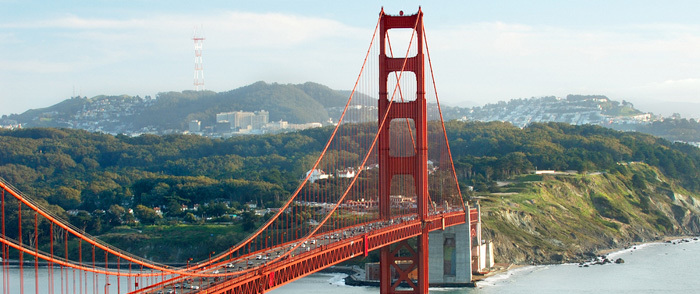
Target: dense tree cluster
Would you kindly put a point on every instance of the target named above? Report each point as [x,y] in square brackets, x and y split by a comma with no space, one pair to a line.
[102,176]
[679,129]
[495,150]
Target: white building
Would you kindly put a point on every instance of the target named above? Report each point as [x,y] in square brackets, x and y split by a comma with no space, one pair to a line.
[316,174]
[195,126]
[347,173]
[243,119]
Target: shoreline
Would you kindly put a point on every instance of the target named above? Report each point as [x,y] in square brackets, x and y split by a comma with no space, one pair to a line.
[632,245]
[599,253]
[500,271]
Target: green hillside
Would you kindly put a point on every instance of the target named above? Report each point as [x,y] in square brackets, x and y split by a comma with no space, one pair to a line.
[568,217]
[616,187]
[303,103]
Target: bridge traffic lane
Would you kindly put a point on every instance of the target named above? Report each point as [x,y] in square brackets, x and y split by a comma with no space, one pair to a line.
[273,275]
[257,266]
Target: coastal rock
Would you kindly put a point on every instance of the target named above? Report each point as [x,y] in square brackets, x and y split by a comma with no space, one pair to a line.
[557,258]
[556,237]
[619,261]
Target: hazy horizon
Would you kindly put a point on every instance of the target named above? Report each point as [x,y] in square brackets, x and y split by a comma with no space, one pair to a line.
[645,52]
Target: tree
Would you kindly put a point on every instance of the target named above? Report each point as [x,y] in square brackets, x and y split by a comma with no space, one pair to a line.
[115,215]
[213,209]
[249,220]
[190,218]
[66,197]
[173,208]
[83,220]
[146,215]
[638,182]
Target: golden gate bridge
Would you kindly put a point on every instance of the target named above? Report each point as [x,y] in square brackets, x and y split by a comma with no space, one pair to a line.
[385,176]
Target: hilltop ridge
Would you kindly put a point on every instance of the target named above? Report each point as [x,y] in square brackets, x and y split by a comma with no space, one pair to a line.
[170,112]
[312,103]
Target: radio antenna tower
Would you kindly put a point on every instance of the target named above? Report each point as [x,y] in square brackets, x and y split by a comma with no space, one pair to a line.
[198,68]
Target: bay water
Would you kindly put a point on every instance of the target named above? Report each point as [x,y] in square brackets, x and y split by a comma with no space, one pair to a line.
[650,268]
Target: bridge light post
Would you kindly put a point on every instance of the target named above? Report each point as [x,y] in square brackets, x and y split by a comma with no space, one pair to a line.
[106,288]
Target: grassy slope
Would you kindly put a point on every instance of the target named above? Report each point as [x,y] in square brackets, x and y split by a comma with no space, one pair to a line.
[569,217]
[175,243]
[541,219]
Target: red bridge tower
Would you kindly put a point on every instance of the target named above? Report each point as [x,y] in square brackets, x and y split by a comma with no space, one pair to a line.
[415,165]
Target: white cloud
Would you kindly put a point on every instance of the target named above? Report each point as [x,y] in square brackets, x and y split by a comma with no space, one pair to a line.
[500,61]
[111,40]
[36,66]
[483,62]
[75,22]
[687,89]
[240,27]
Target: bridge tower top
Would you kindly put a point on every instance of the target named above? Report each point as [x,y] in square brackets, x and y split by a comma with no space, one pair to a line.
[390,108]
[412,162]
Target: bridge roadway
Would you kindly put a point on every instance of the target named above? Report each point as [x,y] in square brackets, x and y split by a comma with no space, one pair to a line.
[258,272]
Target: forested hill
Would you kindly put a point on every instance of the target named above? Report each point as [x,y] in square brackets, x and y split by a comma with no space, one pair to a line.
[301,103]
[103,176]
[171,112]
[99,170]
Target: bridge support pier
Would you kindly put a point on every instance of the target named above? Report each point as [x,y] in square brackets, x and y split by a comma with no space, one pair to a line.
[450,260]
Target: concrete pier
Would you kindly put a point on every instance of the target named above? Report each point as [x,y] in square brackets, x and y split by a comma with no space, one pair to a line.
[450,256]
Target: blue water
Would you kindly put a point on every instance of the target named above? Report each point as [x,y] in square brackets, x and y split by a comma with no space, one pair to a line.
[651,268]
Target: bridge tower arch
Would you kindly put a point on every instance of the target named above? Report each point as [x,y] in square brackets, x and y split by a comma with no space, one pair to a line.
[415,165]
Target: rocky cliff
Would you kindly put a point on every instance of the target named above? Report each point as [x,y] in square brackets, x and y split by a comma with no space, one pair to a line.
[567,217]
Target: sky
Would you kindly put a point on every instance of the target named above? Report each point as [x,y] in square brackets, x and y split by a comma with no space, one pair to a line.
[644,52]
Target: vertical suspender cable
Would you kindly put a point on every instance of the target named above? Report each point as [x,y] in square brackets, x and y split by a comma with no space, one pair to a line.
[62,281]
[85,280]
[444,130]
[94,278]
[36,250]
[80,261]
[21,253]
[106,268]
[65,246]
[140,276]
[5,274]
[118,276]
[51,284]
[74,286]
[128,279]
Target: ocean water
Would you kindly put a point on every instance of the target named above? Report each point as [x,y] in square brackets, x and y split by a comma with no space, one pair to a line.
[650,268]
